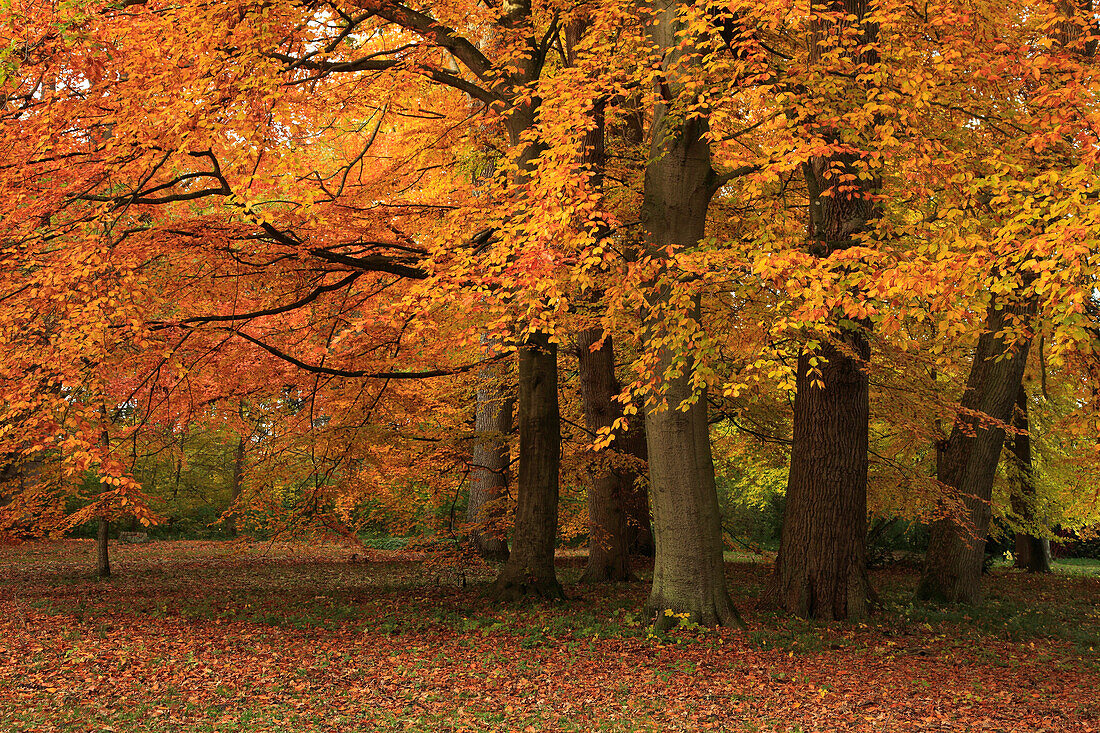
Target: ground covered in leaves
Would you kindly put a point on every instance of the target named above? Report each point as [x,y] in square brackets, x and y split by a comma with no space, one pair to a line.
[243,636]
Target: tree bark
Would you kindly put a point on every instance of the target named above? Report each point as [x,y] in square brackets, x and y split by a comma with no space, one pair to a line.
[967,462]
[238,481]
[529,571]
[688,570]
[103,559]
[613,472]
[489,469]
[639,523]
[821,567]
[1032,553]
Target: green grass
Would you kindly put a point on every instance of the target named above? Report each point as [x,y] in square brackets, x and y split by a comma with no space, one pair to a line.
[1078,566]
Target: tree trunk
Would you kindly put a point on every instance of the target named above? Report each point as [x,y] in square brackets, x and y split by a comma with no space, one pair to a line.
[529,571]
[688,570]
[968,461]
[617,503]
[489,470]
[238,480]
[821,569]
[103,559]
[639,523]
[1032,553]
[612,479]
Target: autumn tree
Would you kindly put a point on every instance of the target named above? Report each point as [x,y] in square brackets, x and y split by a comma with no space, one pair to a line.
[821,567]
[967,461]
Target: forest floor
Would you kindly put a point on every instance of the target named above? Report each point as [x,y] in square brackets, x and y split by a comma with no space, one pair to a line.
[252,636]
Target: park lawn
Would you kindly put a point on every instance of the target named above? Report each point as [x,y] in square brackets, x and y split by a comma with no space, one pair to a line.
[249,636]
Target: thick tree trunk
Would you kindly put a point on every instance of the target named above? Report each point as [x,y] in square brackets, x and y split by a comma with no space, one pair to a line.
[821,568]
[489,470]
[529,571]
[968,461]
[1032,553]
[103,559]
[612,480]
[688,570]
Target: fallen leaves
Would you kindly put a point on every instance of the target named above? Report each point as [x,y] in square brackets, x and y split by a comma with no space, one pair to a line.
[168,645]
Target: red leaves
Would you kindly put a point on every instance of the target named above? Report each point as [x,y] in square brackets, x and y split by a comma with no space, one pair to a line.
[193,638]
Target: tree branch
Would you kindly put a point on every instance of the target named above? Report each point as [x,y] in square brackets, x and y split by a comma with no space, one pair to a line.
[363,374]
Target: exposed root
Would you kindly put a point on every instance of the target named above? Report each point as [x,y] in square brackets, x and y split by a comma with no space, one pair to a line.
[709,613]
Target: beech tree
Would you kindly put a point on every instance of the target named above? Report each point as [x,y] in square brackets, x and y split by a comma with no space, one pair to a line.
[680,181]
[821,568]
[968,460]
[276,203]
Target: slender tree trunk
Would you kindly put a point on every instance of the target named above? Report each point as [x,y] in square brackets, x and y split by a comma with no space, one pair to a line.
[238,481]
[1032,553]
[489,471]
[103,559]
[821,567]
[968,462]
[639,523]
[611,482]
[617,503]
[530,567]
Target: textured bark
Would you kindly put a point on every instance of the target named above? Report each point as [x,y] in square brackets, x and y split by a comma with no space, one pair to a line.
[967,463]
[821,566]
[489,470]
[1031,553]
[529,571]
[102,558]
[613,474]
[688,570]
